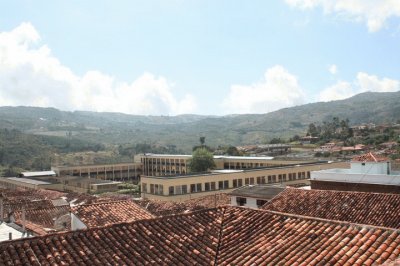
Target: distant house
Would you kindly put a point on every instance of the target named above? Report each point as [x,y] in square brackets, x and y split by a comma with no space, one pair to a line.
[369,173]
[254,196]
[308,139]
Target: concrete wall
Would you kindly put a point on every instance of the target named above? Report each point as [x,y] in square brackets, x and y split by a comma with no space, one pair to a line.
[381,168]
[356,178]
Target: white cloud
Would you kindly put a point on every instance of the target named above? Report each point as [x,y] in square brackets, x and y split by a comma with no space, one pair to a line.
[278,89]
[31,75]
[333,69]
[374,13]
[362,83]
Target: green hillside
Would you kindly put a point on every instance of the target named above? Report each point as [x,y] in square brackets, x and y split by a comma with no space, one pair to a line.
[184,130]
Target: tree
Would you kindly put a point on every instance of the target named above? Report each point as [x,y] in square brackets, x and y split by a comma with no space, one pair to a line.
[202,141]
[232,151]
[312,130]
[201,161]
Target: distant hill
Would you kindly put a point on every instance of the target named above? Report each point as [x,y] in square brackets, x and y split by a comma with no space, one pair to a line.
[184,130]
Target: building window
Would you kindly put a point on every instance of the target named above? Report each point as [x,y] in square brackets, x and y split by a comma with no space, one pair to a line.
[226,184]
[178,190]
[246,181]
[260,203]
[220,185]
[184,189]
[195,188]
[213,186]
[251,180]
[151,188]
[241,201]
[263,180]
[240,182]
[258,179]
[207,186]
[235,183]
[171,190]
[308,174]
[144,187]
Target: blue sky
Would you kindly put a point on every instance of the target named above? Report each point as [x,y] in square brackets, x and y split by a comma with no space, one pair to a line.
[205,57]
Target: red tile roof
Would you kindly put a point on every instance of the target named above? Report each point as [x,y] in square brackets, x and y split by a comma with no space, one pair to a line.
[222,236]
[41,221]
[369,157]
[161,208]
[106,213]
[378,209]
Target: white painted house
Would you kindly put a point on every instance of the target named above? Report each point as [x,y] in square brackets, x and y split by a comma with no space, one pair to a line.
[254,196]
[365,169]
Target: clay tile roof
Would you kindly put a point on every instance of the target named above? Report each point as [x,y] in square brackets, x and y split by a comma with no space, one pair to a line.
[106,213]
[162,208]
[220,236]
[369,157]
[378,209]
[41,221]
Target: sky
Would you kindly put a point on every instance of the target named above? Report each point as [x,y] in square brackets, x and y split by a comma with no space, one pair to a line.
[171,57]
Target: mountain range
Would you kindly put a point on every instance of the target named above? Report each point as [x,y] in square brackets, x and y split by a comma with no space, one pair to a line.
[184,130]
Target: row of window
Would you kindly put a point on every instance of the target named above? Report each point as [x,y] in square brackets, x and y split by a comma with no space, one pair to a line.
[157,189]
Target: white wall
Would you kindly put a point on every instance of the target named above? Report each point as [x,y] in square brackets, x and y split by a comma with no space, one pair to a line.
[373,168]
[356,178]
[76,224]
[250,202]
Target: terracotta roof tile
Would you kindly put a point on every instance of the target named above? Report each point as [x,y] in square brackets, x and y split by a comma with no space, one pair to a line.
[369,157]
[161,208]
[222,236]
[378,209]
[106,213]
[41,221]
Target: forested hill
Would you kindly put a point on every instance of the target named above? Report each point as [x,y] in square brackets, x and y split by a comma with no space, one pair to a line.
[184,130]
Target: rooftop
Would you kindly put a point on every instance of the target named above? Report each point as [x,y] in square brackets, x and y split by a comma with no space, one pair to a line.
[106,213]
[40,221]
[356,207]
[369,157]
[243,170]
[29,181]
[258,191]
[161,208]
[40,173]
[220,236]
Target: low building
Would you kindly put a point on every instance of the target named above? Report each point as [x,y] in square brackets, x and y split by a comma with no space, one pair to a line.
[368,173]
[183,187]
[171,164]
[117,171]
[87,185]
[254,196]
[37,174]
[29,183]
